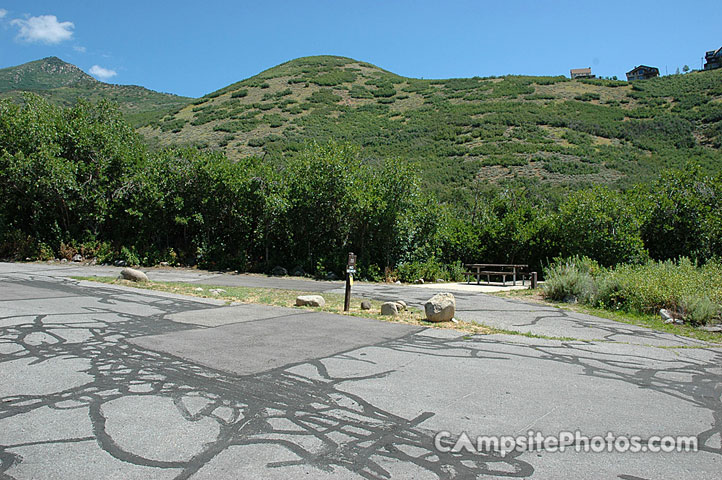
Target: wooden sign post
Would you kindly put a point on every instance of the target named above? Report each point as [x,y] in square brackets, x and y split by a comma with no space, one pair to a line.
[350,270]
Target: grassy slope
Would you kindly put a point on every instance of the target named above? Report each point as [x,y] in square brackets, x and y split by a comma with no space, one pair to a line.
[545,129]
[63,84]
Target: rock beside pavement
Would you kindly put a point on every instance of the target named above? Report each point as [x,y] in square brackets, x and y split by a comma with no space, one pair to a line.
[279,271]
[310,301]
[440,308]
[133,275]
[390,308]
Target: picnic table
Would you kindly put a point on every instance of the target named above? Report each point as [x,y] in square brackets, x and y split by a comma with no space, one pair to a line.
[497,269]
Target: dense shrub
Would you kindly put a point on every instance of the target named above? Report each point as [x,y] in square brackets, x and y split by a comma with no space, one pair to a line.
[683,287]
[570,280]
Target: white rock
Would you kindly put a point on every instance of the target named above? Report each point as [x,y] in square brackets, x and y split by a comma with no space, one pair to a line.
[310,301]
[401,304]
[440,308]
[133,275]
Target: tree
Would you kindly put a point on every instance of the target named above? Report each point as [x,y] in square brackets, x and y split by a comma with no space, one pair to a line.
[601,224]
[685,69]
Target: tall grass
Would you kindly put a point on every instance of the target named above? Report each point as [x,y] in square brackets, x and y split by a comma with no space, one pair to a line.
[680,286]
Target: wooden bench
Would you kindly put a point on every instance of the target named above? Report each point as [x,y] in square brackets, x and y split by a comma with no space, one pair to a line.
[502,270]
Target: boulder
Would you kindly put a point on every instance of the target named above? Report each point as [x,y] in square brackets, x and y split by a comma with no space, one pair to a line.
[365,305]
[133,275]
[120,263]
[439,280]
[390,308]
[217,291]
[401,304]
[440,308]
[310,301]
[298,272]
[420,281]
[279,271]
[77,257]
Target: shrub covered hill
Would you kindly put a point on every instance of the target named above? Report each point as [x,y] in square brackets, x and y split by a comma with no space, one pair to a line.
[548,130]
[63,84]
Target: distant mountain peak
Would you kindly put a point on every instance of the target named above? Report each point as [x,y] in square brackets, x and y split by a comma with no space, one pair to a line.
[44,74]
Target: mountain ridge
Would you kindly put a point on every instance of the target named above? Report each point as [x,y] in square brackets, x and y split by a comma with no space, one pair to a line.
[64,84]
[459,130]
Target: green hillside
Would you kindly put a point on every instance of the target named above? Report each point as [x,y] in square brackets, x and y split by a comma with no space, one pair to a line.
[543,129]
[63,84]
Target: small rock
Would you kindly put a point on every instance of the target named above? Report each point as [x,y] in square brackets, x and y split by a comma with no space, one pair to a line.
[298,272]
[133,275]
[439,280]
[198,289]
[217,291]
[420,281]
[390,308]
[64,260]
[310,301]
[28,259]
[120,263]
[279,271]
[671,317]
[163,264]
[401,304]
[365,305]
[398,282]
[440,308]
[77,257]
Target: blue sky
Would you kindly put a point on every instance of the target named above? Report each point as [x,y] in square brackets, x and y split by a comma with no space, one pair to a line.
[195,47]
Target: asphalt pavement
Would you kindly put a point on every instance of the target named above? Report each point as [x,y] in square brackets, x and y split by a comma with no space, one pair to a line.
[102,381]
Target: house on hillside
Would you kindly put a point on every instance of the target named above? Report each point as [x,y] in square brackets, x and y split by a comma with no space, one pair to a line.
[581,73]
[713,59]
[642,72]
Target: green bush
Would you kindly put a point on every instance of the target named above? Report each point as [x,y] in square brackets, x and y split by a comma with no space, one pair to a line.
[681,286]
[571,278]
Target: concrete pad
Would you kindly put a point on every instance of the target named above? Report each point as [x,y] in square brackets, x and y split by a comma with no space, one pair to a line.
[253,347]
[232,314]
[472,287]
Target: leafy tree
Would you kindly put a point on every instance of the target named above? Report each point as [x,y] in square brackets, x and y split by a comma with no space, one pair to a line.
[600,224]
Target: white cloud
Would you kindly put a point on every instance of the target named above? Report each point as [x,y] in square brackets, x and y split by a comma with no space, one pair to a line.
[3,12]
[79,48]
[44,29]
[102,73]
